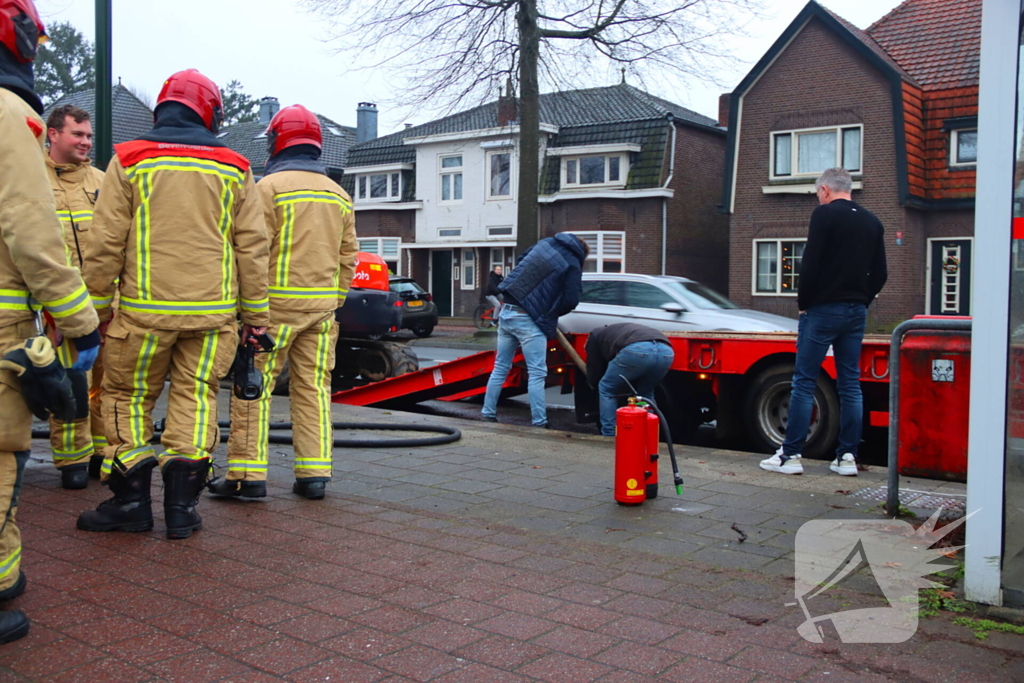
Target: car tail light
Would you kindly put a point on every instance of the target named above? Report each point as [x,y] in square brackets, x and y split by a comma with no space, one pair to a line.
[398,304]
[430,297]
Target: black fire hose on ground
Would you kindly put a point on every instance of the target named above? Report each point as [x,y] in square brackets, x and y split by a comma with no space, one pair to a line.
[447,434]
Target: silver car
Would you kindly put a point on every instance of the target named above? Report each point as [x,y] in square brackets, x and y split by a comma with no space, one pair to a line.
[666,303]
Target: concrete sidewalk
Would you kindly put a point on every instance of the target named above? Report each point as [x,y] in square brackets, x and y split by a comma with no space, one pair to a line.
[501,558]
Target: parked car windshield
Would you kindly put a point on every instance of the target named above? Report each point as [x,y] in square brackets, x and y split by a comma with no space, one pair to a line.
[702,296]
[401,286]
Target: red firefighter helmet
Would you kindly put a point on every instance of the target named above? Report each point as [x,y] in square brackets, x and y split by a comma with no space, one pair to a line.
[21,30]
[197,92]
[294,125]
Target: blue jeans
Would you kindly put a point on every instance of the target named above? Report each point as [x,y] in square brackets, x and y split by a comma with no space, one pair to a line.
[515,329]
[841,326]
[644,364]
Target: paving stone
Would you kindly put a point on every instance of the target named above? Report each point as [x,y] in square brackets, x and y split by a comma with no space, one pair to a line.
[731,558]
[695,670]
[559,668]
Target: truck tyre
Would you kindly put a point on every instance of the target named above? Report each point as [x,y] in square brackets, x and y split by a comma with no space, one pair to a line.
[385,360]
[766,412]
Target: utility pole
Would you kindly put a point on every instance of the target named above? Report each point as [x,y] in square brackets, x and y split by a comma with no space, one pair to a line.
[104,80]
[528,221]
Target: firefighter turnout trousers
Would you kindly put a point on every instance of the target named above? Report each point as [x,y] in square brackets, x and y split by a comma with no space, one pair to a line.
[15,442]
[73,443]
[308,347]
[138,360]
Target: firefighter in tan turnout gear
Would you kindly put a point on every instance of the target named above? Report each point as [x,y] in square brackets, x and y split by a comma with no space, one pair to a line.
[183,233]
[312,262]
[34,274]
[78,445]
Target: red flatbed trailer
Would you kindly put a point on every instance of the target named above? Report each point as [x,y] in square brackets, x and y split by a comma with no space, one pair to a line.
[739,380]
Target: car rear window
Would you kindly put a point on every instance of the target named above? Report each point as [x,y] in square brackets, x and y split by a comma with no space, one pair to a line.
[643,295]
[601,292]
[405,286]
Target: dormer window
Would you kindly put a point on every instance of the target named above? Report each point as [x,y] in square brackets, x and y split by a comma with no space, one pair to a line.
[963,147]
[594,170]
[379,187]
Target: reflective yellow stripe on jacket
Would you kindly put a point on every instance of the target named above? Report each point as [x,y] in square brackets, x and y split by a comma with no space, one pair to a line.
[279,288]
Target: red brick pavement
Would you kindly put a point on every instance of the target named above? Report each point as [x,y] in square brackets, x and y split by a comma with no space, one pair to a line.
[361,591]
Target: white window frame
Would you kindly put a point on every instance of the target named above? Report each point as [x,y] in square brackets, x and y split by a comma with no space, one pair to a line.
[510,228]
[500,251]
[362,187]
[469,279]
[597,254]
[794,150]
[450,171]
[778,241]
[954,148]
[378,249]
[623,158]
[487,175]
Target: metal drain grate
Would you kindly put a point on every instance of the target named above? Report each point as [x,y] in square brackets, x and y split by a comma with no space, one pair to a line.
[917,499]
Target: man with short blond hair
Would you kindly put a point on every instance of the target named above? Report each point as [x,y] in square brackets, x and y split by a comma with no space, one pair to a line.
[842,271]
[77,446]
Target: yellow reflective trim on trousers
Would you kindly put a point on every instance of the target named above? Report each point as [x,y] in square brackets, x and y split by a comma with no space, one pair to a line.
[108,463]
[61,454]
[247,465]
[68,305]
[227,202]
[204,372]
[284,253]
[323,395]
[142,230]
[188,456]
[173,163]
[262,433]
[10,564]
[140,388]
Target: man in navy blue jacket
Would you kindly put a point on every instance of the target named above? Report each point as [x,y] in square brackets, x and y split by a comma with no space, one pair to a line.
[544,285]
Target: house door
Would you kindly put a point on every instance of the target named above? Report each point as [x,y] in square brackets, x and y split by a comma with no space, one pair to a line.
[441,281]
[949,281]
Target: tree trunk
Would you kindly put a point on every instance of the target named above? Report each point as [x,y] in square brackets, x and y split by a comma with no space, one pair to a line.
[528,224]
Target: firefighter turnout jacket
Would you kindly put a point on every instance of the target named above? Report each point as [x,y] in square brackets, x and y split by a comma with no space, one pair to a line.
[312,263]
[182,227]
[34,273]
[75,188]
[311,268]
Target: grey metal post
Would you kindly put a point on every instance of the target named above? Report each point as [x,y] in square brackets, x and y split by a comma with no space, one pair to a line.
[104,85]
[893,500]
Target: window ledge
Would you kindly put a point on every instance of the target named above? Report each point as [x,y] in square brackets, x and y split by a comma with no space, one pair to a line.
[789,187]
[606,193]
[790,295]
[387,206]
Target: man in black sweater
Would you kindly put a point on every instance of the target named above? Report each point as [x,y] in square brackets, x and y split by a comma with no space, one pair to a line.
[623,354]
[842,271]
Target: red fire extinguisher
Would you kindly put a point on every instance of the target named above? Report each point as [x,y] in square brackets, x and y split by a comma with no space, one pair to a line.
[636,452]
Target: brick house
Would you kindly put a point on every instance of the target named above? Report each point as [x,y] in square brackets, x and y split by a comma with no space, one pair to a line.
[636,176]
[897,106]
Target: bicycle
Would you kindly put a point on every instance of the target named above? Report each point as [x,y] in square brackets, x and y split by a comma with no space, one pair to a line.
[484,317]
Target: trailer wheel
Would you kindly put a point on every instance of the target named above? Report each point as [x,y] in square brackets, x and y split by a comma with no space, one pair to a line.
[766,413]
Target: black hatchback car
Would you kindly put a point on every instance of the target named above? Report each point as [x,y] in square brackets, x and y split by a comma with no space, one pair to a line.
[419,313]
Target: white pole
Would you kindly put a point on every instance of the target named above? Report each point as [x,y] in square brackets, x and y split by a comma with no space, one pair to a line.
[989,340]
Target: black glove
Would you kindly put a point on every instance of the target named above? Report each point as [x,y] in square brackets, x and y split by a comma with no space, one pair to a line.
[44,383]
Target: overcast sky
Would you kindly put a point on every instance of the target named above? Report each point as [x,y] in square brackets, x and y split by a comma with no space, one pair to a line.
[274,48]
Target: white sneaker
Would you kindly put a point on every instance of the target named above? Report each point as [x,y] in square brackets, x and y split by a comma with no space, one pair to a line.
[780,463]
[846,466]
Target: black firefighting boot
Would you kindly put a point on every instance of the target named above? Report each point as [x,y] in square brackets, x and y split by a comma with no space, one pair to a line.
[313,488]
[95,465]
[183,482]
[130,508]
[13,625]
[15,590]
[236,488]
[74,476]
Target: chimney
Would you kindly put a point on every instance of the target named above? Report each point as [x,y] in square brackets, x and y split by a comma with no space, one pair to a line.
[366,122]
[723,109]
[268,107]
[508,108]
